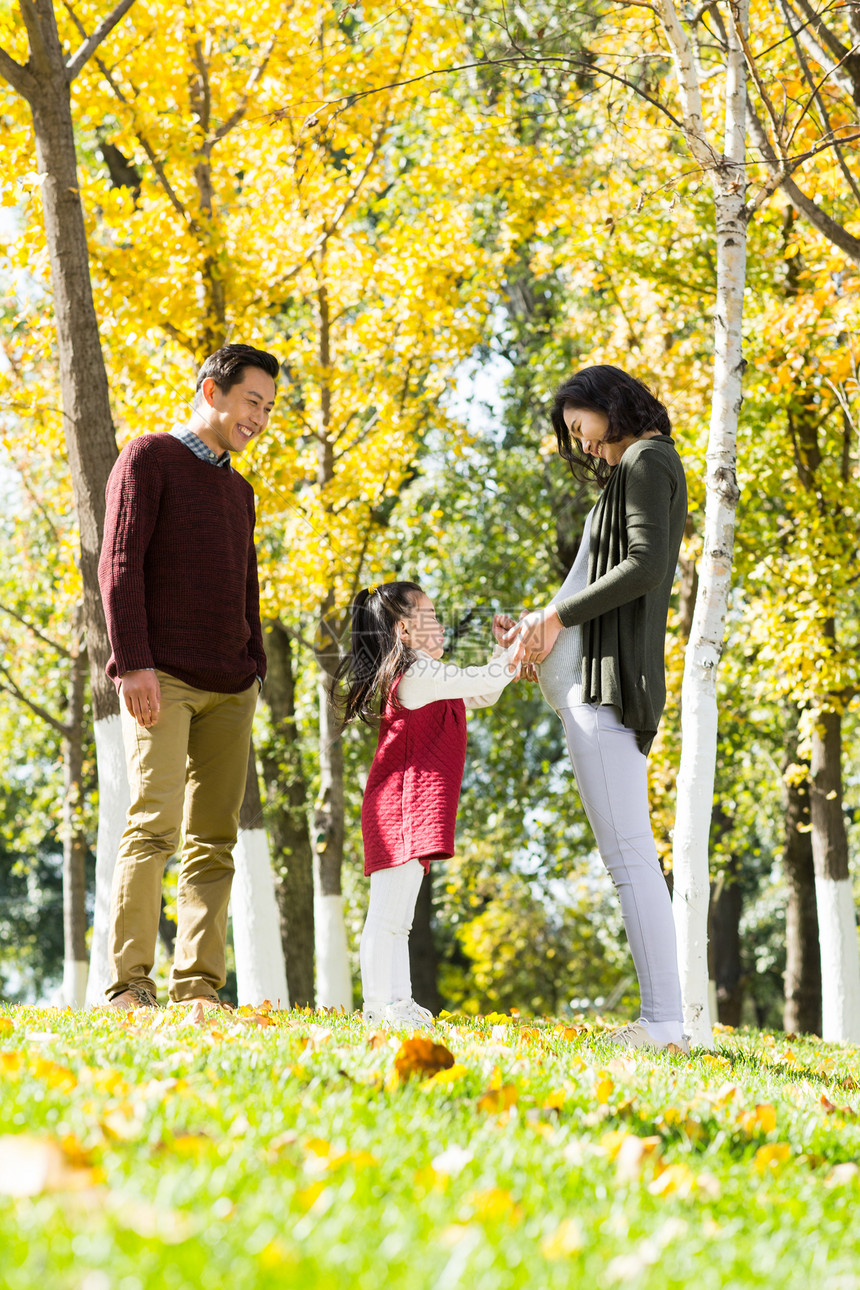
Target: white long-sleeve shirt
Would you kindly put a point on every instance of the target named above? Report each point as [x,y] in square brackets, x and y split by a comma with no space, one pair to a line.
[430,679]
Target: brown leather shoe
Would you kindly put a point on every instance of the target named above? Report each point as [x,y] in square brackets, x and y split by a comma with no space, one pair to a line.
[136,996]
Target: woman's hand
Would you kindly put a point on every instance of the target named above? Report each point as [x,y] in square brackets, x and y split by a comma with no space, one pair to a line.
[538,631]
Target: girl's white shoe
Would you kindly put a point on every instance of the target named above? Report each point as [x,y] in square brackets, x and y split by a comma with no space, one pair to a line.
[402,1014]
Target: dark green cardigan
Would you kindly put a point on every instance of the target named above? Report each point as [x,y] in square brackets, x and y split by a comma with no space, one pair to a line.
[636,533]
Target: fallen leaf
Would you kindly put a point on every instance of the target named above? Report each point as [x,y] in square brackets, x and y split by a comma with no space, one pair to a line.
[771,1157]
[31,1165]
[420,1056]
[567,1239]
[493,1205]
[450,1075]
[498,1099]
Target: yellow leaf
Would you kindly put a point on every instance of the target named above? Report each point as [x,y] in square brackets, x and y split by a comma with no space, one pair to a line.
[53,1075]
[498,1099]
[567,1239]
[603,1089]
[451,1075]
[760,1120]
[308,1196]
[771,1157]
[673,1179]
[494,1205]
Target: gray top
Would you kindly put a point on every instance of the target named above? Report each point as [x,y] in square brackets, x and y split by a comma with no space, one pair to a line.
[560,674]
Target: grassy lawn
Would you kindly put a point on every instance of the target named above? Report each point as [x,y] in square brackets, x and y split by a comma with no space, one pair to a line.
[295,1150]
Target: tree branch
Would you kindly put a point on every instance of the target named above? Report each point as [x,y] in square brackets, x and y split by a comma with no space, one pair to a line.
[46,640]
[819,219]
[21,79]
[822,107]
[138,134]
[253,81]
[11,688]
[688,87]
[91,44]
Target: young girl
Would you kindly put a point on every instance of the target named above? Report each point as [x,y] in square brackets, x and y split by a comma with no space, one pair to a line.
[410,803]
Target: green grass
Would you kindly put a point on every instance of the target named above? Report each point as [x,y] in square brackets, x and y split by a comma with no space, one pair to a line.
[293,1155]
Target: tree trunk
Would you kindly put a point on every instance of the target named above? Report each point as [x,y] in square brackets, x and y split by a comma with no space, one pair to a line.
[699,694]
[287,818]
[724,944]
[837,920]
[334,980]
[87,421]
[75,847]
[260,971]
[802,952]
[423,959]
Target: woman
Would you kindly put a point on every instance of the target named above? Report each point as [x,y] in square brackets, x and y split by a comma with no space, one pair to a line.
[600,644]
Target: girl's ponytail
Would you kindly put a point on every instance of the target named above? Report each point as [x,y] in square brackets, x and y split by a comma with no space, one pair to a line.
[377,656]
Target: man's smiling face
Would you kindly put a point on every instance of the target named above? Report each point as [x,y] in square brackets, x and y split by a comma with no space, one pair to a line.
[235,417]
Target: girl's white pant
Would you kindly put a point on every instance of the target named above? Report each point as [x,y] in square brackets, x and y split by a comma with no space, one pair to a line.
[384,948]
[612,780]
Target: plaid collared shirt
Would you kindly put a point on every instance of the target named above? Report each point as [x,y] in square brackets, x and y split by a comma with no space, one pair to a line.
[199,448]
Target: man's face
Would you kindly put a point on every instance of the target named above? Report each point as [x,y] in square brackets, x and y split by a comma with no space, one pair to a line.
[235,417]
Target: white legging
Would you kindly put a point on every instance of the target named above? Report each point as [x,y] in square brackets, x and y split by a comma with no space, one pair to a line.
[613,783]
[384,949]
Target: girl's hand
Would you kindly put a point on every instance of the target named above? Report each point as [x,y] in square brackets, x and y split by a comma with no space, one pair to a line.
[538,631]
[502,623]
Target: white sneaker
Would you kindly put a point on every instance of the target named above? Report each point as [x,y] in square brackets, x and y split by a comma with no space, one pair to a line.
[637,1035]
[402,1014]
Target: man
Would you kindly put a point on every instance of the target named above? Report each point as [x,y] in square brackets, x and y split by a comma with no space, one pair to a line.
[178,577]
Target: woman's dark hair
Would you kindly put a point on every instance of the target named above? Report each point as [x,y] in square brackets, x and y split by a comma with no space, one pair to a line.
[629,405]
[227,366]
[377,656]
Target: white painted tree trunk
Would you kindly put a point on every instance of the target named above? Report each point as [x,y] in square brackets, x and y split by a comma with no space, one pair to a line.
[75,974]
[699,701]
[840,961]
[113,807]
[334,979]
[260,970]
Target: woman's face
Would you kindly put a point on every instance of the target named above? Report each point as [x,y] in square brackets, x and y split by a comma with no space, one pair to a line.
[422,630]
[589,428]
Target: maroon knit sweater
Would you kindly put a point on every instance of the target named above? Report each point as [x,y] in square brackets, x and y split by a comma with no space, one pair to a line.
[178,570]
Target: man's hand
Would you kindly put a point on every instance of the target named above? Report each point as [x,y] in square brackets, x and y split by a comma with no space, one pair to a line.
[142,696]
[538,631]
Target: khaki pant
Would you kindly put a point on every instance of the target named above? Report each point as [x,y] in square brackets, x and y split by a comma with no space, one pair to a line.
[187,775]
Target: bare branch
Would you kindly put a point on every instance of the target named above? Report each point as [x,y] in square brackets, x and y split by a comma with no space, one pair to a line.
[347,100]
[814,94]
[816,47]
[46,640]
[253,81]
[822,106]
[141,138]
[91,44]
[21,79]
[12,688]
[819,219]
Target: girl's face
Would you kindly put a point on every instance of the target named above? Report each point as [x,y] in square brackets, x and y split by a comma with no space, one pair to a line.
[422,630]
[590,428]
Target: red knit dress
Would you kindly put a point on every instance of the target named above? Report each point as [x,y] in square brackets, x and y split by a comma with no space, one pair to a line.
[410,803]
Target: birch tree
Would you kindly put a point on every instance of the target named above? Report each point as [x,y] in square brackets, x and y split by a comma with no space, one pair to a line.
[42,76]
